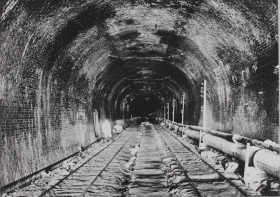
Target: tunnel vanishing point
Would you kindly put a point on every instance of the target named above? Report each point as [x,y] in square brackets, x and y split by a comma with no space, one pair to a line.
[65,66]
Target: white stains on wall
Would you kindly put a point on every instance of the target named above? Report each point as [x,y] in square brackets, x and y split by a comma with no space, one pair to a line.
[8,8]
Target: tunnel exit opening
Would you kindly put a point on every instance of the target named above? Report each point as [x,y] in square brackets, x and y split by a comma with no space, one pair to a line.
[144,106]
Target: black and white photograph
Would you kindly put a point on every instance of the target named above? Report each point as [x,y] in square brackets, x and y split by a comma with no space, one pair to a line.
[139,98]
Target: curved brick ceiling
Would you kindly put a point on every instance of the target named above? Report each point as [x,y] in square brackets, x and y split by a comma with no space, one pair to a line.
[93,51]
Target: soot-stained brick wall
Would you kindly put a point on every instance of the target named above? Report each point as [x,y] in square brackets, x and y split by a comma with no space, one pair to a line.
[256,98]
[43,118]
[54,55]
[239,39]
[40,124]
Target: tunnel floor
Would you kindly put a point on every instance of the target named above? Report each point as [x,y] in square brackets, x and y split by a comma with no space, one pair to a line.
[146,160]
[148,178]
[208,66]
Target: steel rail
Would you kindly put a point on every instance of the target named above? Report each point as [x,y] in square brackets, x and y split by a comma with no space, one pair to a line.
[188,178]
[92,182]
[197,155]
[24,179]
[72,172]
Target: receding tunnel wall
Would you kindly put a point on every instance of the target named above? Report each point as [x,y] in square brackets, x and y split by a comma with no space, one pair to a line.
[61,61]
[123,82]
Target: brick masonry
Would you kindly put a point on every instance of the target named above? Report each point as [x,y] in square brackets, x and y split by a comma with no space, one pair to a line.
[52,54]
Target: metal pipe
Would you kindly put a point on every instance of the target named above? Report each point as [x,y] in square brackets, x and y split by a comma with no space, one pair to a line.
[176,128]
[272,147]
[169,125]
[181,128]
[173,126]
[192,133]
[227,136]
[230,148]
[268,162]
[198,128]
[262,159]
[206,130]
[240,139]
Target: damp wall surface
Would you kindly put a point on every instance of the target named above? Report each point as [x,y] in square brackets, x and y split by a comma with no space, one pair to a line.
[44,117]
[40,125]
[61,62]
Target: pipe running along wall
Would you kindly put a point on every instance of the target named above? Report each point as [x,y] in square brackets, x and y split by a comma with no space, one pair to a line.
[61,61]
[262,159]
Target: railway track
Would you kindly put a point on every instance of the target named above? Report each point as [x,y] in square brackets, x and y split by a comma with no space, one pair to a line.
[190,174]
[79,181]
[148,178]
[91,170]
[164,166]
[113,181]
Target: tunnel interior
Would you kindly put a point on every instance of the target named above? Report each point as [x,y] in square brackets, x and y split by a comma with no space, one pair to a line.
[62,62]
